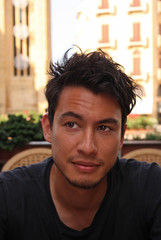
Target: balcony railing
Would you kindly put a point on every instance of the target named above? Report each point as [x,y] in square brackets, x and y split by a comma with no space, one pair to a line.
[111,44]
[143,8]
[110,10]
[142,77]
[142,43]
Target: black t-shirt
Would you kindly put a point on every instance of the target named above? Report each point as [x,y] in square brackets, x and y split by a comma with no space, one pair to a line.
[130,210]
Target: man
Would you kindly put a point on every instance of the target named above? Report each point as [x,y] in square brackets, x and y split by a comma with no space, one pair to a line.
[85,191]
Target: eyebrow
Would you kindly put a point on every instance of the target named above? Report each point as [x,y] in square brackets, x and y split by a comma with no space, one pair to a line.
[72,114]
[109,120]
[103,121]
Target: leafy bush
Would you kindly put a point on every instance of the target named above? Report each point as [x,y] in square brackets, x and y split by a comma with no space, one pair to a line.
[140,122]
[150,136]
[18,130]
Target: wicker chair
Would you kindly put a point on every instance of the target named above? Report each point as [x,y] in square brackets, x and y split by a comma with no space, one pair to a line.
[145,154]
[26,158]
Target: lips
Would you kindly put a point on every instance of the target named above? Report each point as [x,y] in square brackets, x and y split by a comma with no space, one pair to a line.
[86,167]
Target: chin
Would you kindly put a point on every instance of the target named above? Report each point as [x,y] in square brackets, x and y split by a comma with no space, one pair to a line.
[84,183]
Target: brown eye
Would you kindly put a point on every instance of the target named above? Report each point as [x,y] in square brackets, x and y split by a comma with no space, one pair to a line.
[103,128]
[71,124]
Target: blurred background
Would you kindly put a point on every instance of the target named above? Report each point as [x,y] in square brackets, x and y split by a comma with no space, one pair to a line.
[33,32]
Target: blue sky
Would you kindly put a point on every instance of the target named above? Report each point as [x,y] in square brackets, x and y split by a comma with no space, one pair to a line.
[63,20]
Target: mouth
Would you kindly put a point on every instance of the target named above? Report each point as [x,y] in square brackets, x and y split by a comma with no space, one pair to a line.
[85,166]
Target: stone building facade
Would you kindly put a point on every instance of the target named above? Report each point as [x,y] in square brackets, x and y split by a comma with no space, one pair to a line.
[25,53]
[130,31]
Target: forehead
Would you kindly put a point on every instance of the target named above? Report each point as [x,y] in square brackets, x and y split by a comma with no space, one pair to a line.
[84,101]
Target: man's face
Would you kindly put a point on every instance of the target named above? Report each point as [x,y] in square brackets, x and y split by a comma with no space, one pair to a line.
[85,136]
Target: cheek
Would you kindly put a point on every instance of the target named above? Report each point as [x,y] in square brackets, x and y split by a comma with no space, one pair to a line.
[109,156]
[60,145]
[110,148]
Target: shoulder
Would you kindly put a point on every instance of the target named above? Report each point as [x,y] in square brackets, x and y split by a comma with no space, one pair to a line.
[146,177]
[33,169]
[140,188]
[22,188]
[25,172]
[132,165]
[140,178]
[20,183]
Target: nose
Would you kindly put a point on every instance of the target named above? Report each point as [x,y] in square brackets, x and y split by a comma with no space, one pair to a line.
[87,144]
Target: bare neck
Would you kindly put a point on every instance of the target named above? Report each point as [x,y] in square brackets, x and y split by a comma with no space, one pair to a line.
[76,207]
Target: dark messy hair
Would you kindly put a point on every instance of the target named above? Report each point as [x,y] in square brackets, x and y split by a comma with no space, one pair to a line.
[95,71]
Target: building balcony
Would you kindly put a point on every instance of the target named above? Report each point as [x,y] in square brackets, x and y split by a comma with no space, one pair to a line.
[142,43]
[134,9]
[104,11]
[143,77]
[111,44]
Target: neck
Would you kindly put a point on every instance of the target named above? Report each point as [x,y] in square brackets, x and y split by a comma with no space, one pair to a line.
[71,201]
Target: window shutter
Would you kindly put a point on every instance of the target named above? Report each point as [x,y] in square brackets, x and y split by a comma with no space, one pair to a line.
[104,4]
[136,32]
[105,34]
[136,66]
[135,3]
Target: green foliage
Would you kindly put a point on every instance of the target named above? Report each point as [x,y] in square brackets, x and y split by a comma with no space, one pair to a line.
[18,130]
[140,122]
[151,136]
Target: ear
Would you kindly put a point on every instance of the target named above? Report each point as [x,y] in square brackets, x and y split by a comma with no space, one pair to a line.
[122,136]
[46,127]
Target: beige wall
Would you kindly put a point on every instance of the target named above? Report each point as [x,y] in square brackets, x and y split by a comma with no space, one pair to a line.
[120,18]
[2,62]
[24,92]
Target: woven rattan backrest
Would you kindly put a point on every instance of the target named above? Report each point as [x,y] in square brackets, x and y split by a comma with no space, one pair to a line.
[145,154]
[26,158]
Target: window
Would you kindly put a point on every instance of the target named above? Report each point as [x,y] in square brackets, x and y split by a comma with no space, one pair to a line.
[104,4]
[159,29]
[136,32]
[159,64]
[105,34]
[21,39]
[159,91]
[136,63]
[135,3]
[136,66]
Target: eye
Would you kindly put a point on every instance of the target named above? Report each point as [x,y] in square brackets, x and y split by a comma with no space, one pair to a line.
[71,125]
[104,128]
